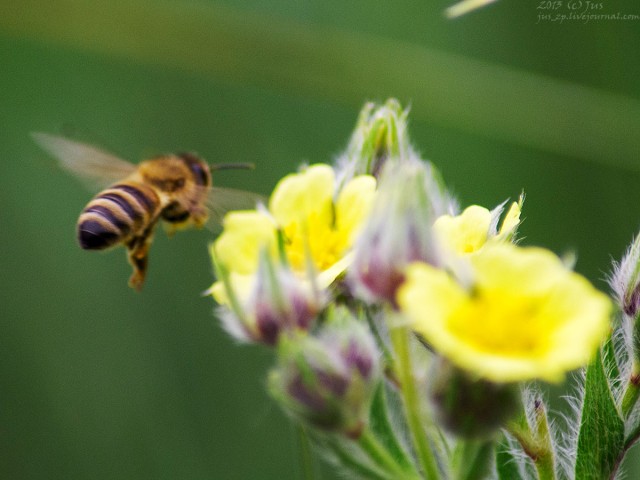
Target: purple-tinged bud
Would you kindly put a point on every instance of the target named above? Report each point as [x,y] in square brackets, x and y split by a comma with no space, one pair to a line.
[278,301]
[625,280]
[632,302]
[327,380]
[398,230]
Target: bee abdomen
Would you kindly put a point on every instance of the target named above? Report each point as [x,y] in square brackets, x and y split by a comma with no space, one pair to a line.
[117,214]
[95,233]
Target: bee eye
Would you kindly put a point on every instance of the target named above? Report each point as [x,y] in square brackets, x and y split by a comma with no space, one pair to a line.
[200,172]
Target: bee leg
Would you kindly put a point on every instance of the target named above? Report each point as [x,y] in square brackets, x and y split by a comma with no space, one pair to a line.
[199,218]
[170,229]
[138,255]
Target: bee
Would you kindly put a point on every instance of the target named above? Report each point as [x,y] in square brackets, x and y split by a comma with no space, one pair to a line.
[175,189]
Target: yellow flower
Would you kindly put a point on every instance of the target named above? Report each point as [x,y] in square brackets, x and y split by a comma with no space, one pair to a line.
[314,221]
[474,227]
[526,316]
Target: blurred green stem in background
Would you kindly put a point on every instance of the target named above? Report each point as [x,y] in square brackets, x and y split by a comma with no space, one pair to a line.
[445,89]
[466,6]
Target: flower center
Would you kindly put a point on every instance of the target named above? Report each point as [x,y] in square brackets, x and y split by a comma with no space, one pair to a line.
[316,237]
[497,323]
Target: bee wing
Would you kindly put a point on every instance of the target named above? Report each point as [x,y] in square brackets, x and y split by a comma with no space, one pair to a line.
[222,200]
[96,167]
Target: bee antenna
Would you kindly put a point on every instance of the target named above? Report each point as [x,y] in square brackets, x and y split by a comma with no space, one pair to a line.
[232,166]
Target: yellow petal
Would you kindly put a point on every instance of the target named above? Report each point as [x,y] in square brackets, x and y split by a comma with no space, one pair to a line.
[299,196]
[526,317]
[511,220]
[219,293]
[244,234]
[500,266]
[583,308]
[353,205]
[241,285]
[465,233]
[328,276]
[429,296]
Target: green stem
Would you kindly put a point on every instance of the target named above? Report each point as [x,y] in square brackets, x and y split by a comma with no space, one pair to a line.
[545,461]
[536,440]
[400,340]
[544,467]
[381,456]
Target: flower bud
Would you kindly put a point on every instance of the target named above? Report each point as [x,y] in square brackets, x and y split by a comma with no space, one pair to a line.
[380,133]
[278,301]
[398,230]
[625,281]
[467,407]
[328,380]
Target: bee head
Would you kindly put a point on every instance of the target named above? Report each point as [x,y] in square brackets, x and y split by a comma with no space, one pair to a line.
[198,167]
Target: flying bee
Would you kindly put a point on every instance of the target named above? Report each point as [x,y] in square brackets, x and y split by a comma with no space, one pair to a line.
[176,189]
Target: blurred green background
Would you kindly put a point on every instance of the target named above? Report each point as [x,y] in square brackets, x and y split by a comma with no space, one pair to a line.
[98,382]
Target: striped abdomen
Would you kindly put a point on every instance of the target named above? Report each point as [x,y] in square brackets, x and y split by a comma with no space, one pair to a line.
[117,214]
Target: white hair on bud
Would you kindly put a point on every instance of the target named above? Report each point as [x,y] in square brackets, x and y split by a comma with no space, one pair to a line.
[625,273]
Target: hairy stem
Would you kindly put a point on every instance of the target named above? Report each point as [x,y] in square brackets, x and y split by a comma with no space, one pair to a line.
[400,340]
[536,440]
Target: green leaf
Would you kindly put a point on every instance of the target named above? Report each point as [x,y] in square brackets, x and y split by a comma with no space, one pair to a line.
[383,429]
[601,438]
[506,463]
[342,455]
[472,459]
[307,463]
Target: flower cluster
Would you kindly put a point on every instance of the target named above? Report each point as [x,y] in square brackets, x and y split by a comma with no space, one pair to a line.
[369,267]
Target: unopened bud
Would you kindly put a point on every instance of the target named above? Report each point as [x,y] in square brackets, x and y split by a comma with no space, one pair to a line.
[278,301]
[380,134]
[467,407]
[328,380]
[625,281]
[397,232]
